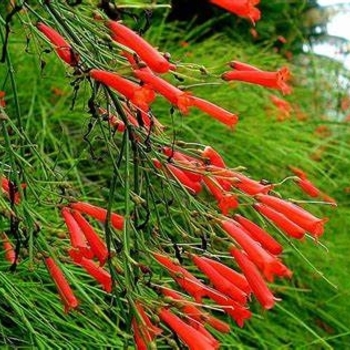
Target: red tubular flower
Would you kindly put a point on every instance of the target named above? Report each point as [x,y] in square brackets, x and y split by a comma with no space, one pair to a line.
[144,330]
[220,282]
[190,336]
[11,190]
[201,329]
[193,186]
[10,254]
[95,271]
[298,172]
[97,245]
[298,215]
[257,283]
[217,324]
[182,100]
[237,312]
[217,162]
[147,52]
[283,106]
[238,180]
[2,99]
[218,113]
[274,80]
[185,162]
[113,120]
[117,221]
[226,200]
[308,187]
[140,96]
[281,221]
[63,49]
[249,186]
[233,276]
[195,313]
[237,65]
[185,279]
[141,340]
[268,264]
[328,199]
[186,306]
[242,8]
[260,235]
[68,298]
[213,157]
[77,238]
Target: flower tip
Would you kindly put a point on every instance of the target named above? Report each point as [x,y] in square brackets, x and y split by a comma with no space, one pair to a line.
[224,76]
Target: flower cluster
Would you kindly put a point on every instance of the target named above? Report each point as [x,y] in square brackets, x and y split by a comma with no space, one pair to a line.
[243,257]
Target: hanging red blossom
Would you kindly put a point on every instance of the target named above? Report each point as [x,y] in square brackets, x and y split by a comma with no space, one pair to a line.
[62,48]
[67,296]
[140,96]
[147,52]
[242,8]
[11,190]
[281,221]
[180,99]
[193,312]
[10,254]
[274,80]
[95,271]
[97,245]
[218,113]
[268,264]
[233,276]
[77,238]
[117,221]
[260,235]
[2,99]
[190,336]
[256,282]
[226,201]
[185,279]
[219,281]
[296,214]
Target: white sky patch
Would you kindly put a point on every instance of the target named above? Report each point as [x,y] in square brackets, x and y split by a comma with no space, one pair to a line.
[338,26]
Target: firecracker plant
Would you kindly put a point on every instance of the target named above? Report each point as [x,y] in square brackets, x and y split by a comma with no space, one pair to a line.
[181,241]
